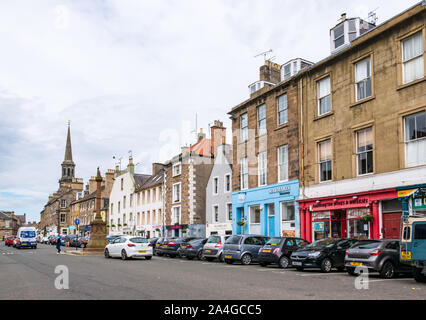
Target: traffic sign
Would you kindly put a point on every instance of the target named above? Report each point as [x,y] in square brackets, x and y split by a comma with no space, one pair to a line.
[77,221]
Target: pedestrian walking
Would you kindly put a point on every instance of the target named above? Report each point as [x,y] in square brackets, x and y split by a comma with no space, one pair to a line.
[58,244]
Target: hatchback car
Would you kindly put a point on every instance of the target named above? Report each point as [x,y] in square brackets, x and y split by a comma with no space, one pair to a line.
[129,247]
[243,248]
[170,246]
[324,254]
[9,240]
[376,255]
[213,249]
[156,246]
[279,249]
[193,249]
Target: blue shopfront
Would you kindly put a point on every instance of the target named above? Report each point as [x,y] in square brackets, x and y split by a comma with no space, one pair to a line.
[269,210]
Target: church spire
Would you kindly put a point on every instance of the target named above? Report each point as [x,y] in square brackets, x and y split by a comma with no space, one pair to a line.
[68,165]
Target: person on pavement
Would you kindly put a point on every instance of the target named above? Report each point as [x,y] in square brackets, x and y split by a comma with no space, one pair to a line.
[58,244]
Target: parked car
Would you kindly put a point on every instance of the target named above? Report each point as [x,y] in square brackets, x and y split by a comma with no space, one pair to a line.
[156,247]
[26,238]
[193,249]
[45,240]
[129,247]
[69,240]
[113,237]
[279,249]
[9,240]
[324,254]
[376,255]
[153,241]
[213,249]
[170,246]
[243,248]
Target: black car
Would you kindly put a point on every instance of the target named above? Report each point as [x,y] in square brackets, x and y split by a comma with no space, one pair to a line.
[156,248]
[161,249]
[193,249]
[278,251]
[153,241]
[170,246]
[376,255]
[324,254]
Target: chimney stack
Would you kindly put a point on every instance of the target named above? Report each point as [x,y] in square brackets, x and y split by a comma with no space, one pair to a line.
[343,16]
[217,135]
[270,72]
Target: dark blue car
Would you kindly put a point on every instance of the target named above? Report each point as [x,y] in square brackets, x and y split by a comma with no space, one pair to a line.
[193,249]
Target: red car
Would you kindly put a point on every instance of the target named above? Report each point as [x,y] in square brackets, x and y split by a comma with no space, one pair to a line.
[9,240]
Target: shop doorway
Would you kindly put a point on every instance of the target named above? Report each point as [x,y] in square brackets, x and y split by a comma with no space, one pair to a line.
[338,224]
[271,220]
[391,225]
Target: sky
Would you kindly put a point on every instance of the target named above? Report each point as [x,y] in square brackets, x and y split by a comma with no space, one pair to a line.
[133,75]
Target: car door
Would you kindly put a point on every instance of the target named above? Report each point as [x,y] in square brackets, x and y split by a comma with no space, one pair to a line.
[258,242]
[114,247]
[339,252]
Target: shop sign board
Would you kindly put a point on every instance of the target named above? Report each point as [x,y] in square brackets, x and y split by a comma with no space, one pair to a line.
[341,204]
[406,193]
[289,233]
[318,226]
[419,203]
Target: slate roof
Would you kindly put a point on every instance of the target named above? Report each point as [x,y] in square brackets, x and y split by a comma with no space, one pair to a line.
[153,180]
[4,216]
[140,179]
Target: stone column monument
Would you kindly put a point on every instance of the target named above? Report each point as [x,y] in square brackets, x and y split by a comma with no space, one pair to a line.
[98,230]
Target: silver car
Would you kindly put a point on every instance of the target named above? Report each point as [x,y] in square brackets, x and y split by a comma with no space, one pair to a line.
[213,249]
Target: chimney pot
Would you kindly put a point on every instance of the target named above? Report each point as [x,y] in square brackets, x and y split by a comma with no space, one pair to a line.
[343,16]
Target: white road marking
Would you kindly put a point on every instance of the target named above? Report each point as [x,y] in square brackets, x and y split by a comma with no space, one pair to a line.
[319,274]
[379,280]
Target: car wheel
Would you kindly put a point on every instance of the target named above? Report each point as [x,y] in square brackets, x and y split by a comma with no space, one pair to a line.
[200,255]
[263,264]
[209,259]
[221,259]
[326,265]
[418,275]
[351,271]
[246,259]
[106,254]
[124,255]
[148,257]
[229,261]
[284,262]
[388,270]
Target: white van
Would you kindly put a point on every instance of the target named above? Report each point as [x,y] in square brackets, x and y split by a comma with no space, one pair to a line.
[26,237]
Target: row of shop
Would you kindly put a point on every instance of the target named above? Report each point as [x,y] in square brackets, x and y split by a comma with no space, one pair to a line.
[276,210]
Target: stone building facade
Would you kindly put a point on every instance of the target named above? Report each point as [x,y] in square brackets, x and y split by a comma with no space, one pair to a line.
[186,177]
[9,223]
[371,136]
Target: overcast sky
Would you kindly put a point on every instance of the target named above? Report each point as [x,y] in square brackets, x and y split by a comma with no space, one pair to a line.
[131,75]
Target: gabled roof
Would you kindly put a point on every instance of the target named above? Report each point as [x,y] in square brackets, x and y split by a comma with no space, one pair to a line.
[140,179]
[4,216]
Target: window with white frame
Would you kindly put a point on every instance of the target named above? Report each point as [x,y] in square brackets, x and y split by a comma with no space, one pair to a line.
[324,155]
[261,167]
[7,224]
[282,163]
[63,203]
[122,183]
[244,173]
[287,71]
[352,30]
[176,215]
[287,215]
[339,36]
[363,79]
[282,109]
[227,182]
[176,192]
[215,185]
[415,139]
[216,213]
[124,202]
[177,168]
[324,102]
[412,58]
[131,200]
[261,119]
[118,206]
[364,151]
[244,127]
[63,217]
[229,210]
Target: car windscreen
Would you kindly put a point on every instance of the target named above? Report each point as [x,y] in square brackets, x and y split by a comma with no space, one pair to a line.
[274,241]
[213,239]
[28,234]
[323,243]
[233,240]
[367,244]
[138,240]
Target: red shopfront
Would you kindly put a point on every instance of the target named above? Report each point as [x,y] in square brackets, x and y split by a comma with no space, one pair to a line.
[347,216]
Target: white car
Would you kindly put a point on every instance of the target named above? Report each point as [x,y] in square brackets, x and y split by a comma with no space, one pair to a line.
[128,247]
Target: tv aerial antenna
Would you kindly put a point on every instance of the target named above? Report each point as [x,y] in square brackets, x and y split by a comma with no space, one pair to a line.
[372,16]
[265,55]
[119,161]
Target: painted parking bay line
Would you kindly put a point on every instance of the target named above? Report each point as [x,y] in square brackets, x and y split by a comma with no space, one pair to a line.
[319,274]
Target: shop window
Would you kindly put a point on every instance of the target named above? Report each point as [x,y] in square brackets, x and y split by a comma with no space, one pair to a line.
[287,217]
[412,58]
[415,139]
[364,151]
[358,228]
[324,151]
[363,79]
[255,219]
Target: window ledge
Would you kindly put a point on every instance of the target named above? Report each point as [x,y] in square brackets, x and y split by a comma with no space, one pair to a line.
[362,101]
[325,115]
[409,84]
[282,126]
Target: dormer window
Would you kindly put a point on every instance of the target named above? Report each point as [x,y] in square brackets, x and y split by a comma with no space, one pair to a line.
[293,67]
[339,36]
[259,85]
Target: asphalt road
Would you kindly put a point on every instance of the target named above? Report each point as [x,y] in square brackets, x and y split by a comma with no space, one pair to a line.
[29,274]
